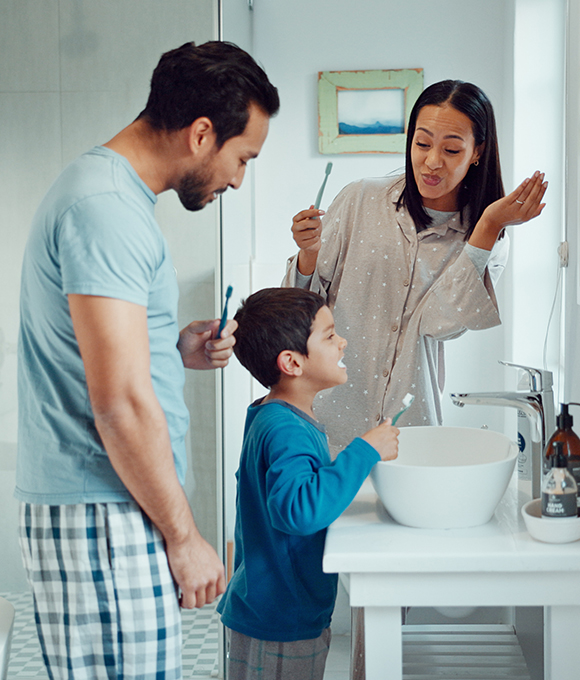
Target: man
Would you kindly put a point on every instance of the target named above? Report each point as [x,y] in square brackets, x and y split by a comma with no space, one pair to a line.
[106,530]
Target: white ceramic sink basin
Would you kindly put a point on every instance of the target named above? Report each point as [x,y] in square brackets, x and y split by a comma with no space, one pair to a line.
[445,477]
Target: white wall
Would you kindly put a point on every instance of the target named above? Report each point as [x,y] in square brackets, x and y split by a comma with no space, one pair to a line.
[572,347]
[236,252]
[539,145]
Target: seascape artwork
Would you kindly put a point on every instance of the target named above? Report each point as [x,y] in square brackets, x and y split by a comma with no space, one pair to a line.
[371,112]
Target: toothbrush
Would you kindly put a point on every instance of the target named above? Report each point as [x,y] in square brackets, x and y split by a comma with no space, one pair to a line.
[224,318]
[321,191]
[407,401]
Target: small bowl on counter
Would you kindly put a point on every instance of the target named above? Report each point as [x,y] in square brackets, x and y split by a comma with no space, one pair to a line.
[549,529]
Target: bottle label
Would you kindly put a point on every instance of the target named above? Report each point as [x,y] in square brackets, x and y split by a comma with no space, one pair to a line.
[524,459]
[524,467]
[559,504]
[575,471]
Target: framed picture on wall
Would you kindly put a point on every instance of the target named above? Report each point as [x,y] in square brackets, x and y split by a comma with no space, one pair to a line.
[366,111]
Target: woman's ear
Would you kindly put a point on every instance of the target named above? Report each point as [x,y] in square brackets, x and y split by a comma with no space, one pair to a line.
[478,152]
[290,363]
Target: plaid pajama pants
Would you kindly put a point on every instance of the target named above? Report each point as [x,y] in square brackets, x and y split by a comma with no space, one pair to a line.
[252,659]
[105,601]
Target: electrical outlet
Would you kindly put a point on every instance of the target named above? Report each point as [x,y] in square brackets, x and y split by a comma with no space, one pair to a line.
[563,253]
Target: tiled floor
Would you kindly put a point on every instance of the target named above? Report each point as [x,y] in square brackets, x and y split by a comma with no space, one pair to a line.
[200,645]
[25,657]
[200,642]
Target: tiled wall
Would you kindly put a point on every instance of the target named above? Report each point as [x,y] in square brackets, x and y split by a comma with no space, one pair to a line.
[72,74]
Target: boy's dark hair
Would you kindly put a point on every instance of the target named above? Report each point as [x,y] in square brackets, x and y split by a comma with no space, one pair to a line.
[217,80]
[271,321]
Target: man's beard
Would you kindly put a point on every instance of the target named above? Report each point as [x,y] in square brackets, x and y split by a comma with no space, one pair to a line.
[193,189]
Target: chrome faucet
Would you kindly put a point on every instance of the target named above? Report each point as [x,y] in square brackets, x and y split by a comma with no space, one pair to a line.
[537,403]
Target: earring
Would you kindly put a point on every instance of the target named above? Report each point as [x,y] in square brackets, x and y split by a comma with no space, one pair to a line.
[476,163]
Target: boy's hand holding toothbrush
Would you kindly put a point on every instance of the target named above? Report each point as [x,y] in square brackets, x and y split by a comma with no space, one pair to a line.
[384,438]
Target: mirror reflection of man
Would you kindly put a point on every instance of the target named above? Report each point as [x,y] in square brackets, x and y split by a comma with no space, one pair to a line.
[108,538]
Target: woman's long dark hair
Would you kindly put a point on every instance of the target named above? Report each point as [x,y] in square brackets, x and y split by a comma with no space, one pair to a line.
[483,184]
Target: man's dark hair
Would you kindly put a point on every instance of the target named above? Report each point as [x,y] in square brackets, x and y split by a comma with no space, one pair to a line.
[271,321]
[483,183]
[217,80]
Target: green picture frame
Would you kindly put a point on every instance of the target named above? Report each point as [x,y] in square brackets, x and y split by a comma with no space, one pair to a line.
[331,139]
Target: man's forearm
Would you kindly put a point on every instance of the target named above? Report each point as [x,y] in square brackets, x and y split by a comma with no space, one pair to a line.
[137,442]
[138,445]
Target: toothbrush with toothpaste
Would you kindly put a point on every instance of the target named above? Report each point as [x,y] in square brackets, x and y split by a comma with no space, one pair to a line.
[408,399]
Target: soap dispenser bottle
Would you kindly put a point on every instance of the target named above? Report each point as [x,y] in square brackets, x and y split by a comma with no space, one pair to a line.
[559,488]
[570,444]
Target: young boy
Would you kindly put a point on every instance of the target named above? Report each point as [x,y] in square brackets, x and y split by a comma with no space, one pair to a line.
[278,605]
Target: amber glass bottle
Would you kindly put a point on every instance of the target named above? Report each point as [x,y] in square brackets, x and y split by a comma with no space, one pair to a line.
[570,445]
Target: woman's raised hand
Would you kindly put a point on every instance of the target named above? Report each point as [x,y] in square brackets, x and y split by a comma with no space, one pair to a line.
[523,204]
[306,230]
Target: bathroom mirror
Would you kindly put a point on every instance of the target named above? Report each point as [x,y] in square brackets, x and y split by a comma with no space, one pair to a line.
[515,51]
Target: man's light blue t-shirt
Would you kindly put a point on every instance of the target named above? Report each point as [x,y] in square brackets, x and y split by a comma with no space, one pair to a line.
[94,234]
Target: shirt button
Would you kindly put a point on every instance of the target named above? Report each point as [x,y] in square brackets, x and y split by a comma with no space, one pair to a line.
[394,328]
[406,282]
[385,373]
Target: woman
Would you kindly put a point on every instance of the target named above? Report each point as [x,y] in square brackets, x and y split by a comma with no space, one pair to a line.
[408,263]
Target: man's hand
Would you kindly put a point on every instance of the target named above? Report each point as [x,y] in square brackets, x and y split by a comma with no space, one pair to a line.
[197,571]
[201,350]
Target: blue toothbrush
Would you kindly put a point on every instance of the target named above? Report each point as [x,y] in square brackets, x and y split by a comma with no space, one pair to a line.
[321,191]
[224,318]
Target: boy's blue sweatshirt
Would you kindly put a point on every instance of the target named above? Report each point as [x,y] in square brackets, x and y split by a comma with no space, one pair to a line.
[289,492]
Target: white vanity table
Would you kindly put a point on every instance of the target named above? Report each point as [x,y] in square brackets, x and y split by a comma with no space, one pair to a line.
[498,564]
